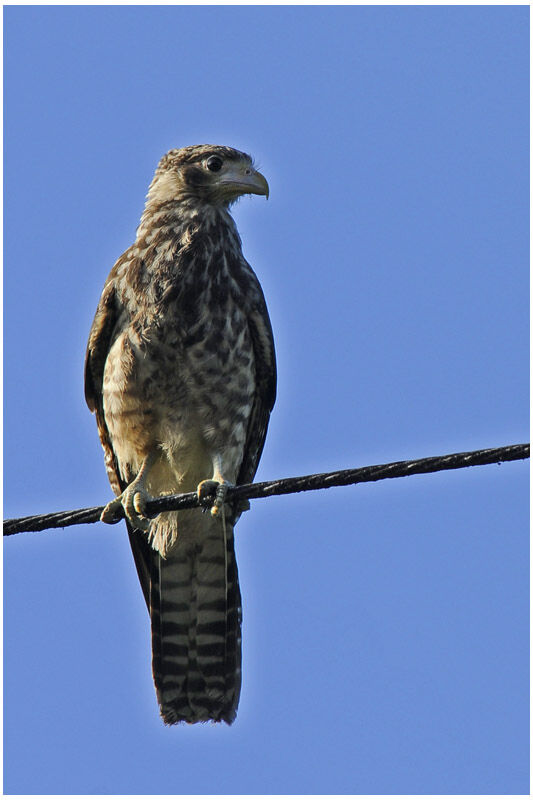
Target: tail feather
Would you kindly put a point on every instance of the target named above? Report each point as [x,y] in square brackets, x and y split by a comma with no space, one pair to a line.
[195,609]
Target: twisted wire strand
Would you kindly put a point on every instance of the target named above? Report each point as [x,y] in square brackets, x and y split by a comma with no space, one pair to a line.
[303,483]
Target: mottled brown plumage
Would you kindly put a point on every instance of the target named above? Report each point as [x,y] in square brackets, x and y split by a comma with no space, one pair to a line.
[180,371]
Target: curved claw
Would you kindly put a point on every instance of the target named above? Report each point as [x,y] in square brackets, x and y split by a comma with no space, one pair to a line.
[133,500]
[110,513]
[206,489]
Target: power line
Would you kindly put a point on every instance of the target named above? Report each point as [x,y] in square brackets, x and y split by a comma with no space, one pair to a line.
[304,483]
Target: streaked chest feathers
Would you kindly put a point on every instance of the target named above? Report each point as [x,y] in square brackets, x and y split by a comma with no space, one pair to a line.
[180,374]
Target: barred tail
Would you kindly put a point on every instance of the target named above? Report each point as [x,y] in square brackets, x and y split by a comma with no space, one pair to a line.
[195,609]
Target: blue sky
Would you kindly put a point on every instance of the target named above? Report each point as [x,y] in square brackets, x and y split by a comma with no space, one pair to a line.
[385,626]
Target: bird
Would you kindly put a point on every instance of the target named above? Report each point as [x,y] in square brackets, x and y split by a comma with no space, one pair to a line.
[180,371]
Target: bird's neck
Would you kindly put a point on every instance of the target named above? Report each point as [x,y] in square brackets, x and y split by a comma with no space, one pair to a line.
[189,216]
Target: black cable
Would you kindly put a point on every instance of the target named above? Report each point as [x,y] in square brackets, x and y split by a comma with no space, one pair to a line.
[304,483]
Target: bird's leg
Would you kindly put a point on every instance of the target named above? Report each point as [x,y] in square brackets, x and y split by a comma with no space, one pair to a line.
[133,499]
[216,485]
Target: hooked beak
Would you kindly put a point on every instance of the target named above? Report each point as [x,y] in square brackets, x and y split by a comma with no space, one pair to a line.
[242,179]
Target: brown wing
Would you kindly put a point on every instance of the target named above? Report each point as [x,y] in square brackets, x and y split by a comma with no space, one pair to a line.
[102,335]
[265,387]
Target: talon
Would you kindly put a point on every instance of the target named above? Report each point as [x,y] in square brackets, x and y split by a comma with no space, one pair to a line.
[133,500]
[110,514]
[139,503]
[222,490]
[212,494]
[220,497]
[206,492]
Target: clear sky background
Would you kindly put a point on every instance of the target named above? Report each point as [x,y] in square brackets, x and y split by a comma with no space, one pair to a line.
[386,625]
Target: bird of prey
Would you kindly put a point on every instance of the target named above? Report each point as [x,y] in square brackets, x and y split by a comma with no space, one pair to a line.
[181,373]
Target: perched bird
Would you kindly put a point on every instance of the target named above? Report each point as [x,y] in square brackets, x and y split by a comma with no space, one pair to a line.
[181,373]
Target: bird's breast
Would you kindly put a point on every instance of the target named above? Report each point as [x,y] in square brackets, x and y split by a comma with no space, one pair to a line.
[181,379]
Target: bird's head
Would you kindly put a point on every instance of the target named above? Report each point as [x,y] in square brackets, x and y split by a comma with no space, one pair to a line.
[210,173]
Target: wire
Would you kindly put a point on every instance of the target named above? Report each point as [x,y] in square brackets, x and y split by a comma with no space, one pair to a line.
[304,483]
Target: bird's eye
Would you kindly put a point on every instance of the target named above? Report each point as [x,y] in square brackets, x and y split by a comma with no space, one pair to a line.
[214,163]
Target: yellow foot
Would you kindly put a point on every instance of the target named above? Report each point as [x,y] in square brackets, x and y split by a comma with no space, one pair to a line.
[211,494]
[133,500]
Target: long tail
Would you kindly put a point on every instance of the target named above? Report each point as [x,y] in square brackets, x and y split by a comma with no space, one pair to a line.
[195,609]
